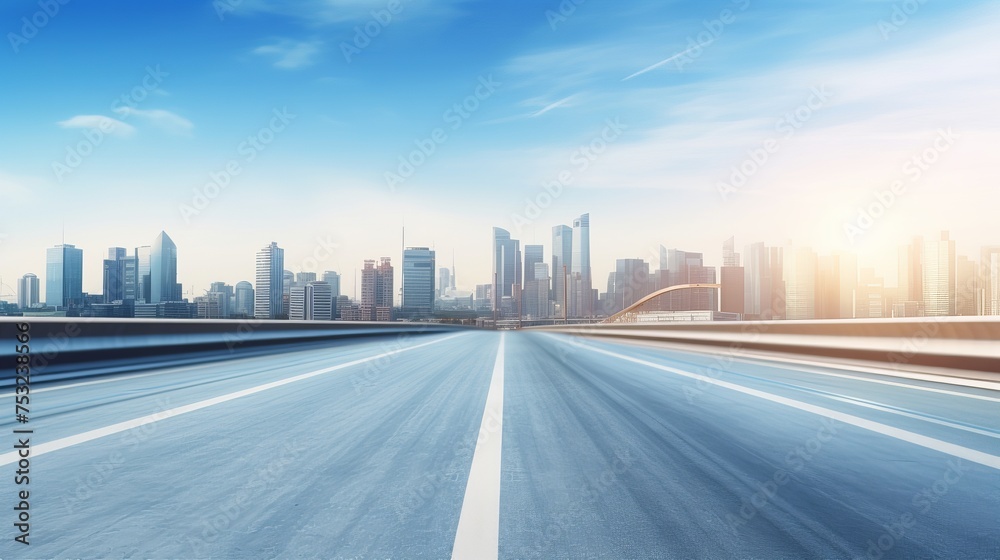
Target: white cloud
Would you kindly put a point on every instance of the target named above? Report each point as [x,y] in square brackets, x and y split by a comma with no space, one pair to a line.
[319,12]
[289,54]
[106,125]
[161,118]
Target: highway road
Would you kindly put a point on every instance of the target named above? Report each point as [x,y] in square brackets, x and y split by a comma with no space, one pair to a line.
[509,445]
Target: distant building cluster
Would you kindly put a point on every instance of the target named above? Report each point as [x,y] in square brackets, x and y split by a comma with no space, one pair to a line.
[762,283]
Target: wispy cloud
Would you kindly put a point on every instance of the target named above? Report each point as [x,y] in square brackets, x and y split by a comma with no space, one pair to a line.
[288,54]
[322,12]
[106,125]
[161,118]
[564,102]
[670,59]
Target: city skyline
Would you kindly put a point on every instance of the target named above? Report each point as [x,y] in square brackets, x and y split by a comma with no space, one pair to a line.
[811,284]
[580,116]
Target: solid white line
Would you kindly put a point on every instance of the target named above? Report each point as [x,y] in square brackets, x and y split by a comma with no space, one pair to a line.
[885,408]
[69,441]
[771,360]
[478,535]
[966,453]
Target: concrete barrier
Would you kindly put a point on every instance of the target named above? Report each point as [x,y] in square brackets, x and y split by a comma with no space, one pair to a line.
[70,348]
[964,343]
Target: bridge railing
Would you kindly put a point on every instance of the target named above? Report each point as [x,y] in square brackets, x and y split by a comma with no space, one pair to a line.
[966,343]
[69,348]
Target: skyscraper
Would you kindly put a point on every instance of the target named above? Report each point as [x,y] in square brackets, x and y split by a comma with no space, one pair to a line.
[163,270]
[562,264]
[582,301]
[939,276]
[506,272]
[729,255]
[418,280]
[444,281]
[800,265]
[64,276]
[244,299]
[270,282]
[27,291]
[114,275]
[536,292]
[297,303]
[733,290]
[142,274]
[756,282]
[910,272]
[990,280]
[333,279]
[683,267]
[966,287]
[631,281]
[376,290]
[827,298]
[533,254]
[287,281]
[223,293]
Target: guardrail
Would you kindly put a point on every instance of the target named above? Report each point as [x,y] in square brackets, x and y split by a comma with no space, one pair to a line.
[966,343]
[69,348]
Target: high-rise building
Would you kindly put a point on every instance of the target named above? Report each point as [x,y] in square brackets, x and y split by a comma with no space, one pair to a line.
[682,267]
[800,265]
[64,276]
[116,276]
[270,282]
[990,280]
[444,281]
[777,307]
[333,279]
[163,270]
[303,278]
[871,300]
[630,282]
[827,300]
[562,265]
[756,282]
[910,273]
[729,255]
[297,303]
[581,285]
[536,292]
[484,298]
[244,299]
[376,290]
[27,291]
[733,289]
[506,272]
[848,263]
[319,301]
[966,287]
[287,281]
[938,259]
[224,294]
[533,254]
[418,280]
[142,270]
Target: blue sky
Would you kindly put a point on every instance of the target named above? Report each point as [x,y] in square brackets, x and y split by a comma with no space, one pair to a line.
[645,107]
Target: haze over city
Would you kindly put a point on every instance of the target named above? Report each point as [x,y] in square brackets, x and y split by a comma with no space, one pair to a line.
[319,115]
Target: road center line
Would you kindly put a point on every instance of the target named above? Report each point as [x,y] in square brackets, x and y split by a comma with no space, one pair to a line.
[69,441]
[478,535]
[952,449]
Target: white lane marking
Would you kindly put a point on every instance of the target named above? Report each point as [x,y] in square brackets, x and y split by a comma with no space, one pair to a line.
[891,410]
[478,535]
[62,443]
[875,371]
[171,370]
[966,453]
[774,361]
